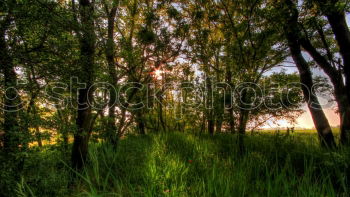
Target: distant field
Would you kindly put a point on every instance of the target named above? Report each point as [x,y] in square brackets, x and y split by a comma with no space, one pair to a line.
[302,131]
[309,135]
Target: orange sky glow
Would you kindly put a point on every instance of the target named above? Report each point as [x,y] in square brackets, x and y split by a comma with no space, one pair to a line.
[305,120]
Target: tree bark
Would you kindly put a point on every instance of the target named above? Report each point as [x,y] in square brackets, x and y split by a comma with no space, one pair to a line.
[84,115]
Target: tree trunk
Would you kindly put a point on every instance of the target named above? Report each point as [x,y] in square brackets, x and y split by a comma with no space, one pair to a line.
[231,120]
[340,95]
[243,119]
[210,113]
[37,126]
[218,125]
[345,125]
[38,136]
[342,34]
[140,123]
[211,126]
[319,118]
[230,105]
[11,98]
[112,129]
[64,128]
[244,112]
[161,118]
[203,124]
[87,53]
[337,20]
[12,137]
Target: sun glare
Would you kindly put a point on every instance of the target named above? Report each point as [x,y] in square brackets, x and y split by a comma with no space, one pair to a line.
[158,74]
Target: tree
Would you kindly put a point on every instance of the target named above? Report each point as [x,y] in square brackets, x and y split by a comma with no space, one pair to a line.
[291,32]
[334,10]
[113,78]
[87,39]
[314,25]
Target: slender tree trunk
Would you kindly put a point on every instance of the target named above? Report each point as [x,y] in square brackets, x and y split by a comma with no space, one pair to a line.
[11,98]
[244,112]
[12,137]
[112,129]
[202,128]
[64,128]
[124,107]
[37,128]
[140,123]
[65,140]
[231,120]
[84,116]
[161,111]
[211,125]
[161,118]
[319,118]
[209,106]
[121,122]
[218,125]
[243,119]
[38,136]
[230,109]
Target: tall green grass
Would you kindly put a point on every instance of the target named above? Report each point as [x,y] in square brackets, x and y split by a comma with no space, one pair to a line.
[177,164]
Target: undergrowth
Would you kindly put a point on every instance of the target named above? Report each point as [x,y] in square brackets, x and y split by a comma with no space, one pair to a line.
[178,164]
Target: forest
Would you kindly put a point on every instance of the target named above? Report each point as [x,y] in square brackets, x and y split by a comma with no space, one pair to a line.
[174,98]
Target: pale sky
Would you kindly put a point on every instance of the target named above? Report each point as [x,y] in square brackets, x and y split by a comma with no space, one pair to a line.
[305,120]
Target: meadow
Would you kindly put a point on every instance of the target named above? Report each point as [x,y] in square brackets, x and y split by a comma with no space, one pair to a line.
[180,164]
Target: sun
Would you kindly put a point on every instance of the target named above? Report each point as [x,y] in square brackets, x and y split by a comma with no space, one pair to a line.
[158,74]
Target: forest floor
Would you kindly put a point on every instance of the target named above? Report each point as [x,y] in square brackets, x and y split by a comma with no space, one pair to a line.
[178,164]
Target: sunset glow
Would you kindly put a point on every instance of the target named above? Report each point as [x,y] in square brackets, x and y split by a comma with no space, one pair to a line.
[305,121]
